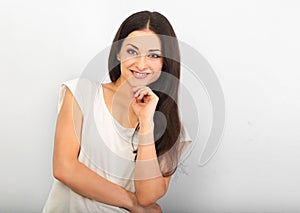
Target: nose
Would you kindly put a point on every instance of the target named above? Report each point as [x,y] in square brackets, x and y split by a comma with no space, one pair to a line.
[141,63]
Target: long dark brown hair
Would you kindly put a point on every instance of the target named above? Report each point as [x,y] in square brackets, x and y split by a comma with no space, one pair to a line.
[165,88]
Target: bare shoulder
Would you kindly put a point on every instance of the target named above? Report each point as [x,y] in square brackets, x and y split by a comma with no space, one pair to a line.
[108,87]
[108,93]
[108,90]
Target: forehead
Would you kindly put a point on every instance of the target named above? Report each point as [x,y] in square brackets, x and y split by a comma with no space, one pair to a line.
[145,40]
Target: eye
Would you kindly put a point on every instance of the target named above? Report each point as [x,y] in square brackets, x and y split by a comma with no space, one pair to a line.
[154,55]
[132,52]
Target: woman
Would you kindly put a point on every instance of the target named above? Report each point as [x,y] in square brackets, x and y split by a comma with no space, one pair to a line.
[117,144]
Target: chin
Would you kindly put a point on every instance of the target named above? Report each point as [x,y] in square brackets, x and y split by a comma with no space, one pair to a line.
[136,82]
[140,82]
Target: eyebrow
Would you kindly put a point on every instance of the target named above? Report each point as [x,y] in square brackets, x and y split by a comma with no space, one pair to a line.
[151,50]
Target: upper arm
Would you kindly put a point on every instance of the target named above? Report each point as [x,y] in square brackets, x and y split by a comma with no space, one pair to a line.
[67,134]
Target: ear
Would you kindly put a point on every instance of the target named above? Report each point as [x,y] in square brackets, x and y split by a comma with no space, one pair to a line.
[118,57]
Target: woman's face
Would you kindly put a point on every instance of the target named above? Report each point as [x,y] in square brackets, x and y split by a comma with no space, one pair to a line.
[141,58]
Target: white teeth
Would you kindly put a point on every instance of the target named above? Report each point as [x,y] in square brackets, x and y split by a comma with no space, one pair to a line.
[139,75]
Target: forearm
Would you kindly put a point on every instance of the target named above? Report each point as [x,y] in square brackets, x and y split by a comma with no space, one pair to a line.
[86,182]
[149,182]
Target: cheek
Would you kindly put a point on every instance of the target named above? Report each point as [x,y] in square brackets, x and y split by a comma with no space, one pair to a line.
[156,66]
[125,65]
[155,76]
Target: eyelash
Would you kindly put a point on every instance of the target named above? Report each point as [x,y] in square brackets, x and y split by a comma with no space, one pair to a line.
[152,55]
[131,52]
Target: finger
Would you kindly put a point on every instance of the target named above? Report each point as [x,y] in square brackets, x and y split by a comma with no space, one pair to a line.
[138,88]
[138,91]
[144,90]
[135,101]
[144,93]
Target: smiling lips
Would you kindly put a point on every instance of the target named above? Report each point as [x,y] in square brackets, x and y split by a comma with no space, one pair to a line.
[139,75]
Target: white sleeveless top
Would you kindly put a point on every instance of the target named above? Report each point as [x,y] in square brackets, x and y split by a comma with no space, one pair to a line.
[105,147]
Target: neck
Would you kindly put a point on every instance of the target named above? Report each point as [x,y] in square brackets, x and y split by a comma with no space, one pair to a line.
[123,95]
[123,89]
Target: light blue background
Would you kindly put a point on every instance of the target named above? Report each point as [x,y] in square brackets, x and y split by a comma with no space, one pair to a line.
[253,46]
